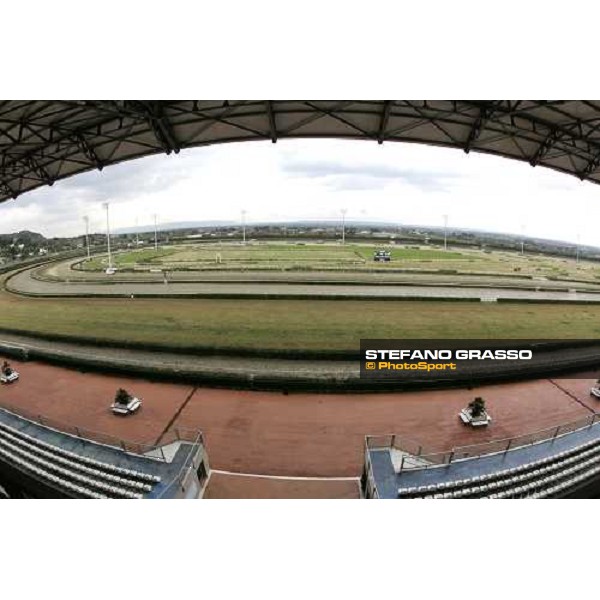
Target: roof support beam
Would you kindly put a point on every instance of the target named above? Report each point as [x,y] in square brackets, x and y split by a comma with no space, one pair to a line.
[383,122]
[7,190]
[271,116]
[227,110]
[4,132]
[545,147]
[433,119]
[152,113]
[162,129]
[480,121]
[538,125]
[37,169]
[332,114]
[88,151]
[592,165]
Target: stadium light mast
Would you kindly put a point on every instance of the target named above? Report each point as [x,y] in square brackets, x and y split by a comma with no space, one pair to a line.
[522,240]
[445,232]
[577,251]
[105,205]
[344,211]
[155,234]
[243,227]
[137,234]
[86,220]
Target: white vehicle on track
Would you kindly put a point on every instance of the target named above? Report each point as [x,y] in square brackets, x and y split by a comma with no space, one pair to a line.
[125,403]
[595,389]
[111,270]
[479,421]
[8,374]
[475,414]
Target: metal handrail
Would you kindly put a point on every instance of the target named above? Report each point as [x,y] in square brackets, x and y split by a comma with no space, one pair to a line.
[446,457]
[127,445]
[541,435]
[370,483]
[186,465]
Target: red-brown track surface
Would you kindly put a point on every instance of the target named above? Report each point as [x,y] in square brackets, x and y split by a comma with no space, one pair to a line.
[296,435]
[227,485]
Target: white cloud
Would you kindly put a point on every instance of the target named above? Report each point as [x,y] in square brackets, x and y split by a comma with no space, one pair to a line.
[315,179]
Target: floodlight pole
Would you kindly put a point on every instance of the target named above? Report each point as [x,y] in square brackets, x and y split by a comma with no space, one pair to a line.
[445,232]
[244,227]
[87,235]
[344,211]
[522,240]
[577,251]
[105,205]
[155,234]
[137,235]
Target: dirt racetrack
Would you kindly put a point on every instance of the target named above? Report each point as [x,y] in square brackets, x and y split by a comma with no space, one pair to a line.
[298,435]
[230,486]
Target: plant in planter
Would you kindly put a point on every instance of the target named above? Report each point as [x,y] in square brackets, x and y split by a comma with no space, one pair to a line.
[477,407]
[122,396]
[8,374]
[125,403]
[475,414]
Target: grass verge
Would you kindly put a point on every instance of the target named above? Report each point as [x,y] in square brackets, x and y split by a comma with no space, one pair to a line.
[291,324]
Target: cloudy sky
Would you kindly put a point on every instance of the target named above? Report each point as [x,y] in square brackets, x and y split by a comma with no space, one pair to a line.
[316,179]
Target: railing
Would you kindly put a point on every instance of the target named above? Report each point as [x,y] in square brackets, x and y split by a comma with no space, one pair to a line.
[189,464]
[434,459]
[154,451]
[370,485]
[392,440]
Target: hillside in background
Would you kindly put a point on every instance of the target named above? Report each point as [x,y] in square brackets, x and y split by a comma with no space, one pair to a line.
[23,245]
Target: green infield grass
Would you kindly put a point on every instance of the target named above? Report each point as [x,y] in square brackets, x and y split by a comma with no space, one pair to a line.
[327,256]
[290,324]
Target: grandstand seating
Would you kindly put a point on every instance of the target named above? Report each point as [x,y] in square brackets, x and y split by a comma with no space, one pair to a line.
[70,472]
[550,477]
